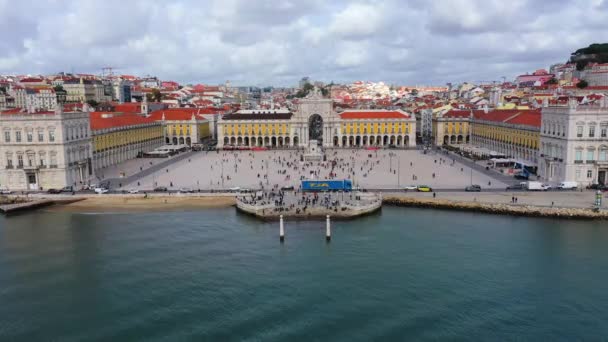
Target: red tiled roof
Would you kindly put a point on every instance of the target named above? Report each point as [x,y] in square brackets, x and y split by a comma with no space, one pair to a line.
[179,113]
[457,113]
[130,107]
[373,115]
[113,119]
[31,79]
[527,117]
[14,111]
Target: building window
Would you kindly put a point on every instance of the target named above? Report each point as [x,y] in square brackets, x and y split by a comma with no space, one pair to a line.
[9,160]
[591,131]
[51,135]
[590,154]
[579,131]
[20,160]
[41,160]
[40,136]
[603,131]
[578,155]
[589,174]
[30,136]
[578,174]
[603,154]
[18,136]
[7,136]
[53,159]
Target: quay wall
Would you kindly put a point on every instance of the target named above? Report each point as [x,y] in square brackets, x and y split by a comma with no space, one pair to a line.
[501,209]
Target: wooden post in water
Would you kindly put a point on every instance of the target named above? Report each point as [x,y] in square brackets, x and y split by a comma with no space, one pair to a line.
[281,230]
[328,230]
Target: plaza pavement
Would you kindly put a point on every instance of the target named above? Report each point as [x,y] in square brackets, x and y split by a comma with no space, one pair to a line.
[381,169]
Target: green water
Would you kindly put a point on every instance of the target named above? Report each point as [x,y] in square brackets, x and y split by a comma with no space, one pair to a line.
[215,275]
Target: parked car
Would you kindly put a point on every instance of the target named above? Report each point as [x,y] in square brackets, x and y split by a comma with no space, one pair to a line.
[568,185]
[53,191]
[235,188]
[473,188]
[160,189]
[410,188]
[287,188]
[185,190]
[133,191]
[601,187]
[101,191]
[424,188]
[5,191]
[67,189]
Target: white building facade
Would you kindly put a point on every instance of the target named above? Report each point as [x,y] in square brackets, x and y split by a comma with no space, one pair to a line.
[40,99]
[574,143]
[45,150]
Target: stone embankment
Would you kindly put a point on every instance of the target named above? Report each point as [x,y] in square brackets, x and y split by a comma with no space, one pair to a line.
[25,205]
[496,208]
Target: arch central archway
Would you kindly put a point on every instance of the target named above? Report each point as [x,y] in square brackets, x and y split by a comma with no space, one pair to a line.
[315,128]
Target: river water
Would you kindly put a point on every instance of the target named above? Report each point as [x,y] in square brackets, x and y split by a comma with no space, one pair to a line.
[216,275]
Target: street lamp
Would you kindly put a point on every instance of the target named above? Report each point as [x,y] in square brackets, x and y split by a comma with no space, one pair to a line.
[398,171]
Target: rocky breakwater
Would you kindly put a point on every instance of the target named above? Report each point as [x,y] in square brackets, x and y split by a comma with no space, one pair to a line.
[498,208]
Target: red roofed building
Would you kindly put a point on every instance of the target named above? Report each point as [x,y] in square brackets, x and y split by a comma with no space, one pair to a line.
[121,136]
[376,128]
[315,119]
[185,126]
[512,132]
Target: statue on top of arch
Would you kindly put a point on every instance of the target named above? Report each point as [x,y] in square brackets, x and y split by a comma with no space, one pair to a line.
[315,93]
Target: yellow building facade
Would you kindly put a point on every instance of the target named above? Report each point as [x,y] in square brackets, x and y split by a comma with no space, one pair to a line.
[514,133]
[117,137]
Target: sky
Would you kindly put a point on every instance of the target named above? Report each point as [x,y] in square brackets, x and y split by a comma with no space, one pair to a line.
[268,42]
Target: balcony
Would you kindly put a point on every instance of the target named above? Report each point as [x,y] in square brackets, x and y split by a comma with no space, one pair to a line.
[578,162]
[590,162]
[9,167]
[20,166]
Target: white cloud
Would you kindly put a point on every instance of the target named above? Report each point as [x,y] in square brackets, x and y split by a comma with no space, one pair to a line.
[279,41]
[357,21]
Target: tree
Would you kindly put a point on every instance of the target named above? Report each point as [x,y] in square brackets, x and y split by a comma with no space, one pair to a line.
[582,84]
[58,87]
[156,96]
[553,80]
[93,103]
[324,91]
[305,90]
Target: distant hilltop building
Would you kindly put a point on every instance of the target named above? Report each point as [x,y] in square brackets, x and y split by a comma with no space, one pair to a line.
[538,78]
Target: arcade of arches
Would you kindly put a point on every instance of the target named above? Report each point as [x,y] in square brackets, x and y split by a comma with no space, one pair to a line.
[279,130]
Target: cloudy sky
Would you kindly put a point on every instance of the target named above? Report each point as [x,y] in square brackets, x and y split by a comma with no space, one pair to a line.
[263,42]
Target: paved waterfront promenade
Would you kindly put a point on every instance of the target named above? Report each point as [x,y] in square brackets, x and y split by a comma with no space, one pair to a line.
[382,169]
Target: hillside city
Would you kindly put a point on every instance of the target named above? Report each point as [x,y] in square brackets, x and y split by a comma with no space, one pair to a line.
[65,129]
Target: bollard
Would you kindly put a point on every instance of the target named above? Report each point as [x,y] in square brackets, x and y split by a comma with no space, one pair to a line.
[281,230]
[328,230]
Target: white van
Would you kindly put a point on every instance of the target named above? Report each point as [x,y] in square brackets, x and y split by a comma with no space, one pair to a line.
[568,185]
